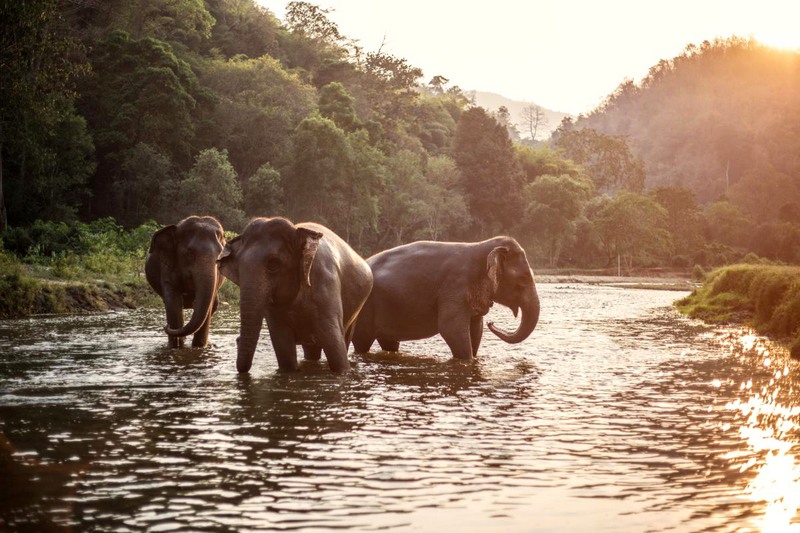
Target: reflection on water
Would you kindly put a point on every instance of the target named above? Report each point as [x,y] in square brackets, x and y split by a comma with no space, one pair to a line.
[615,415]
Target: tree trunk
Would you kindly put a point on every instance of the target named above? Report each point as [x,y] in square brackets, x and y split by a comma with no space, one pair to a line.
[3,212]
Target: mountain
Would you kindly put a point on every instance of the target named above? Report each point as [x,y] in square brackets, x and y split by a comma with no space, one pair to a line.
[492,102]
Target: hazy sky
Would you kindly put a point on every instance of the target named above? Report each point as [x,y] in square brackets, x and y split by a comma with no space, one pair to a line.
[565,55]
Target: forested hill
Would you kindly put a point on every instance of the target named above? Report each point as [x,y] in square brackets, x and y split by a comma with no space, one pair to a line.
[721,119]
[150,110]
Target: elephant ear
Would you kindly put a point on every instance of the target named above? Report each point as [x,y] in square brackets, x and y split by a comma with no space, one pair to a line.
[494,266]
[163,244]
[228,261]
[309,242]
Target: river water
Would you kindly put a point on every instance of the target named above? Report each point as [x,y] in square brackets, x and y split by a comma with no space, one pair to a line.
[617,414]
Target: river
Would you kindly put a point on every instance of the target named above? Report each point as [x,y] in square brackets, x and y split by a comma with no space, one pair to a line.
[617,414]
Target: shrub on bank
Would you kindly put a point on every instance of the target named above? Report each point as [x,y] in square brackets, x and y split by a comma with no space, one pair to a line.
[767,297]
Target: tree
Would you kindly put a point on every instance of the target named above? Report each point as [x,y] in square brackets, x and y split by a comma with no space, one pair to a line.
[243,27]
[46,155]
[314,43]
[211,187]
[607,159]
[543,160]
[144,176]
[260,106]
[263,193]
[140,93]
[759,192]
[448,217]
[726,224]
[503,117]
[390,87]
[336,104]
[632,227]
[332,177]
[533,119]
[554,205]
[684,218]
[491,175]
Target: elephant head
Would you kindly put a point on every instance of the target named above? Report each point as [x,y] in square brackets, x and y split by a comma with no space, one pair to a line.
[187,253]
[271,261]
[509,281]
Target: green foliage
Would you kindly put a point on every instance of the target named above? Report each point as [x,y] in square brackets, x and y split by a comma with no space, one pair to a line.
[144,176]
[720,118]
[698,273]
[45,151]
[260,106]
[727,224]
[607,159]
[336,104]
[263,195]
[492,176]
[215,106]
[765,296]
[211,187]
[632,227]
[554,205]
[543,160]
[242,27]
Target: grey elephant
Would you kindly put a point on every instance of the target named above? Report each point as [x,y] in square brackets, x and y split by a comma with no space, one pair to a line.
[305,281]
[181,266]
[424,288]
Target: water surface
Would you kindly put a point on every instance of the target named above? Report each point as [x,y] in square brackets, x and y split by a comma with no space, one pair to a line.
[617,414]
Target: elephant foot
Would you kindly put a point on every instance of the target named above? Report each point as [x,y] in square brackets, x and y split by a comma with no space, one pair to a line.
[199,343]
[175,342]
[389,346]
[312,353]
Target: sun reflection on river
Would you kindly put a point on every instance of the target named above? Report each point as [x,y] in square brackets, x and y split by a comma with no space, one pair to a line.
[768,428]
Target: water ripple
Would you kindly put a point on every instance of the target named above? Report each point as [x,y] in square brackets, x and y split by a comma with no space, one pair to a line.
[616,415]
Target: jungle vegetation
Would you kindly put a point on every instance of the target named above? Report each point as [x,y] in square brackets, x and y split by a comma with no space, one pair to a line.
[149,110]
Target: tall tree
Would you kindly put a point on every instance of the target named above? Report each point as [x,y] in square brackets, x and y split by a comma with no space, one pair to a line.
[39,63]
[607,159]
[259,107]
[553,206]
[492,177]
[140,93]
[533,119]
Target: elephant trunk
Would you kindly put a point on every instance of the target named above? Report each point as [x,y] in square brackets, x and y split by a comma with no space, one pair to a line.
[252,310]
[205,279]
[530,317]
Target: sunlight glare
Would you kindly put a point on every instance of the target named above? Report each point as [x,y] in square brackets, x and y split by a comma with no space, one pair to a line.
[780,39]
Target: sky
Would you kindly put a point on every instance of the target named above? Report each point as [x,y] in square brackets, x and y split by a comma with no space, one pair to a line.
[564,55]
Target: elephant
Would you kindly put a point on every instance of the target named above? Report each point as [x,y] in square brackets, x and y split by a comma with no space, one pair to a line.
[182,268]
[305,281]
[424,288]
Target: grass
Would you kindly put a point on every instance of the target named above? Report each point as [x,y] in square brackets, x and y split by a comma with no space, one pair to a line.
[54,267]
[765,297]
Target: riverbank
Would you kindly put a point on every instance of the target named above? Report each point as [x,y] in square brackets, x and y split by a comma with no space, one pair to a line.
[23,295]
[764,297]
[653,278]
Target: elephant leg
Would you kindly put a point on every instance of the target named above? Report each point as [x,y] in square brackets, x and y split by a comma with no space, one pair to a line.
[454,326]
[312,352]
[175,321]
[389,346]
[348,335]
[283,342]
[476,333]
[362,340]
[332,339]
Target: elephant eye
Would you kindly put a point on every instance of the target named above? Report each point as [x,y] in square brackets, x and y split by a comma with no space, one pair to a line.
[273,264]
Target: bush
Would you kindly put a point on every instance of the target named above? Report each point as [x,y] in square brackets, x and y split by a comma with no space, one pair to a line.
[765,296]
[698,273]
